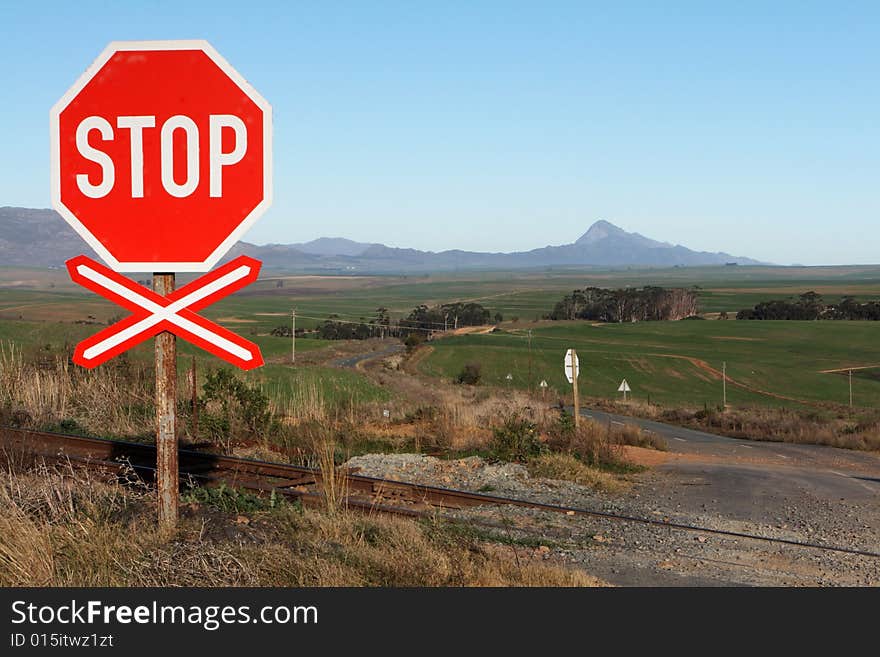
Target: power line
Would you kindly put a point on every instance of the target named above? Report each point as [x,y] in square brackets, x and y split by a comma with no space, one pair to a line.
[387,326]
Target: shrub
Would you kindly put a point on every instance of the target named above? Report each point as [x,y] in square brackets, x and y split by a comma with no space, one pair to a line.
[470,374]
[233,410]
[231,500]
[564,423]
[591,443]
[516,440]
[569,468]
[413,341]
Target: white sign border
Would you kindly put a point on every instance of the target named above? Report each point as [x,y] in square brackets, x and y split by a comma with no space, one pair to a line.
[55,156]
[575,368]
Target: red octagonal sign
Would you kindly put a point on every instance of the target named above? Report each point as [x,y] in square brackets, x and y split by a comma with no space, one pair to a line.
[161,156]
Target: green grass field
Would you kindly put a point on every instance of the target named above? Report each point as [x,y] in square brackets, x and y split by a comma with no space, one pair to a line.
[335,387]
[786,358]
[41,296]
[39,308]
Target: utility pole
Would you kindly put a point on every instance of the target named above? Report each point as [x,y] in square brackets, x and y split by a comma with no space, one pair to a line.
[530,362]
[574,388]
[724,383]
[293,336]
[167,483]
[195,398]
[850,388]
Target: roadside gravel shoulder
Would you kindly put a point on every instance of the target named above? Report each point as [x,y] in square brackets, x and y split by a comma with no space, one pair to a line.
[636,554]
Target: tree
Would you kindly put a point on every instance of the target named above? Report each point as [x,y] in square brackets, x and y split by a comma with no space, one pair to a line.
[413,341]
[450,315]
[627,304]
[233,411]
[810,306]
[470,374]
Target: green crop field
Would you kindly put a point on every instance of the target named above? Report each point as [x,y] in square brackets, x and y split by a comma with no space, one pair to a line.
[41,296]
[667,361]
[40,308]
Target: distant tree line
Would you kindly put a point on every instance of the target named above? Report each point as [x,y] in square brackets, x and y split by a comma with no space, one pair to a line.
[419,324]
[378,326]
[627,304]
[810,306]
[285,331]
[445,317]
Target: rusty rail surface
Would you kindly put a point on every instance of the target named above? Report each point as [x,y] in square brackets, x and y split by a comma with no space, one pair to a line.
[207,468]
[304,484]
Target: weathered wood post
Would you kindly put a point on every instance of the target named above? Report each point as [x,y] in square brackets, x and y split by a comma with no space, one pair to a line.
[574,387]
[167,484]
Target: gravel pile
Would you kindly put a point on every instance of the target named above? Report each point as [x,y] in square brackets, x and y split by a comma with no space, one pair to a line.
[473,474]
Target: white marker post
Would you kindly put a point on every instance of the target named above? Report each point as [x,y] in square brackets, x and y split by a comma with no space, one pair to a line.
[724,384]
[572,369]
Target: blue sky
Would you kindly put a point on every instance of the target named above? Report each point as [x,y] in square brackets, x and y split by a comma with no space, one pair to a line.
[501,126]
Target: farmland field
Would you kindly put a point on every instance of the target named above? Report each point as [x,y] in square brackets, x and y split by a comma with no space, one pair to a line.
[50,296]
[679,362]
[670,362]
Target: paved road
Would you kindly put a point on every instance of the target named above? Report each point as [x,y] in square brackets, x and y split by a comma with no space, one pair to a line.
[750,479]
[353,361]
[805,492]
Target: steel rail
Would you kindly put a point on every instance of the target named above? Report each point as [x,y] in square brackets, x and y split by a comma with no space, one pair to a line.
[291,480]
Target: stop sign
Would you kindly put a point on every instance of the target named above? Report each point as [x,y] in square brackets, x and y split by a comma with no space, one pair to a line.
[161,156]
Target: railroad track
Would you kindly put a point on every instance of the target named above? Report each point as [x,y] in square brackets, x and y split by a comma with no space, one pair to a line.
[305,484]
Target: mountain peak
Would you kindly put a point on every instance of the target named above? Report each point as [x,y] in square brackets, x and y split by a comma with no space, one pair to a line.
[599,231]
[328,246]
[39,238]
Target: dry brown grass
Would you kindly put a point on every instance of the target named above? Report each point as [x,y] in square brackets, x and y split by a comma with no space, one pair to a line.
[600,444]
[109,400]
[569,468]
[65,529]
[630,434]
[836,427]
[431,417]
[304,403]
[791,426]
[333,481]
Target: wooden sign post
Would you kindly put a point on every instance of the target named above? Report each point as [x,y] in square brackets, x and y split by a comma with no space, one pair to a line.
[572,369]
[167,483]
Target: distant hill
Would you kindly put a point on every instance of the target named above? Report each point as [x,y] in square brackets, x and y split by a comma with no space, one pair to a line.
[330,246]
[41,238]
[37,238]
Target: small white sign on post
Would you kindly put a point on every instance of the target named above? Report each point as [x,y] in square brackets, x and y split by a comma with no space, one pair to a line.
[624,388]
[572,369]
[572,366]
[543,386]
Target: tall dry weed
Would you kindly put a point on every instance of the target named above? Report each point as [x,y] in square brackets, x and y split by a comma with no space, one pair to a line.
[60,528]
[111,400]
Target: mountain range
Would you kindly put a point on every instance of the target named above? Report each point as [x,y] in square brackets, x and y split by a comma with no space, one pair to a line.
[41,238]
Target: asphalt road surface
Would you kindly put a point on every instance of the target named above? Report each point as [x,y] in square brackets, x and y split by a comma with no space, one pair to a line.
[749,479]
[353,361]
